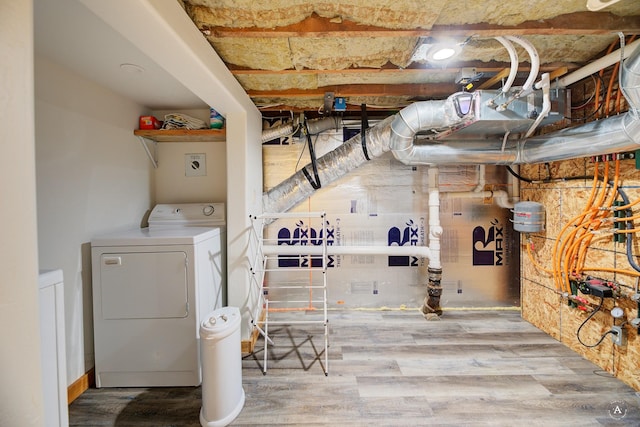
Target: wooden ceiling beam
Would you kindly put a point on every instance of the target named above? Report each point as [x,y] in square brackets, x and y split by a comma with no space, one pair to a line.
[578,23]
[495,79]
[372,111]
[481,67]
[370,90]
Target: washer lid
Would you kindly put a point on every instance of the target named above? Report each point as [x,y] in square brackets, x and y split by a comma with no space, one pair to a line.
[187,215]
[158,237]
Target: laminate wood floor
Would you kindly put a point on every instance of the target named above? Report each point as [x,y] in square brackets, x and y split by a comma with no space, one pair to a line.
[393,368]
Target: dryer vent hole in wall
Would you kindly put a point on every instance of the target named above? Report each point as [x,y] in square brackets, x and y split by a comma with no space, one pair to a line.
[195,165]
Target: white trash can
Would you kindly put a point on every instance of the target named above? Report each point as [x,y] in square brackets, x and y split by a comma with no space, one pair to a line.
[221,355]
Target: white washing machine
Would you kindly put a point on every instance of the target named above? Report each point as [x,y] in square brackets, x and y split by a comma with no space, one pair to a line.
[151,288]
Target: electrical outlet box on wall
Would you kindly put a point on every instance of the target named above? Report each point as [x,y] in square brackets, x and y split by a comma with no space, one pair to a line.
[618,336]
[195,164]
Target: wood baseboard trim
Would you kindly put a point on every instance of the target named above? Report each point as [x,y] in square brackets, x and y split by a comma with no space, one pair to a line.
[81,385]
[88,380]
[249,345]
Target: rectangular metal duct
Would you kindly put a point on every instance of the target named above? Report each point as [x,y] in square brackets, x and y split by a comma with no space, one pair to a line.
[488,121]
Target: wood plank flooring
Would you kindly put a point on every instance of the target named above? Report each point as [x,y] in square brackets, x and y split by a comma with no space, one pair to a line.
[393,368]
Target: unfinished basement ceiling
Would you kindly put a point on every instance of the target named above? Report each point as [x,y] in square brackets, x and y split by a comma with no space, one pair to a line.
[288,54]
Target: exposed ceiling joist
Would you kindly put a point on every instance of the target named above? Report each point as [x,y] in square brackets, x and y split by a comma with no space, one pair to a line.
[289,53]
[481,67]
[417,90]
[502,74]
[317,26]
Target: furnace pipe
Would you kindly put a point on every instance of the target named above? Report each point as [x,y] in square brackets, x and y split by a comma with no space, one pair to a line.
[612,135]
[292,250]
[278,132]
[513,57]
[535,61]
[398,133]
[431,306]
[597,65]
[331,166]
[435,229]
[501,197]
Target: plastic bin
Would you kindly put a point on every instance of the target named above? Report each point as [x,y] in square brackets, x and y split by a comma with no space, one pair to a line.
[220,351]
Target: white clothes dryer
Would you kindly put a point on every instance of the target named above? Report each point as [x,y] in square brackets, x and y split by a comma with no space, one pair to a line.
[151,289]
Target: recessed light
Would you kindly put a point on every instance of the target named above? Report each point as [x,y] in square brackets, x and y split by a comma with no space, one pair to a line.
[131,68]
[436,52]
[443,51]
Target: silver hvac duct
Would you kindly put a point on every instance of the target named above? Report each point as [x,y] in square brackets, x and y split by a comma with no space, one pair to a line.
[313,127]
[398,135]
[278,132]
[331,166]
[613,135]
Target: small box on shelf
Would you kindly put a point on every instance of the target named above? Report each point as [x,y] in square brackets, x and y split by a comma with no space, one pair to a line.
[149,123]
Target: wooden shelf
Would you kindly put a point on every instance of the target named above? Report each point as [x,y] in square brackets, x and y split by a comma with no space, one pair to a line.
[182,135]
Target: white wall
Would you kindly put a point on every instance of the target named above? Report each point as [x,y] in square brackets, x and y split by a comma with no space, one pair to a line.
[244,190]
[20,375]
[93,176]
[172,186]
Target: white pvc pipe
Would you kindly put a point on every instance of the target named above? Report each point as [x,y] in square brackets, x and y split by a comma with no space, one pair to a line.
[513,56]
[535,60]
[500,197]
[481,179]
[597,65]
[435,230]
[546,103]
[419,251]
[513,187]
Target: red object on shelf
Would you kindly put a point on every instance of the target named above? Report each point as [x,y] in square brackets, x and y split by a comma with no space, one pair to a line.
[149,122]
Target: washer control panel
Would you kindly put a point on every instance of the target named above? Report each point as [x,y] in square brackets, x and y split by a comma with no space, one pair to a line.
[187,214]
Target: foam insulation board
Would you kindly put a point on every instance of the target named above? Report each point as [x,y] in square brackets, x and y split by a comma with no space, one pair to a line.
[386,203]
[475,258]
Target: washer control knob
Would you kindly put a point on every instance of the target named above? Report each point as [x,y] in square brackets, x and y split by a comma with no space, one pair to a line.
[208,210]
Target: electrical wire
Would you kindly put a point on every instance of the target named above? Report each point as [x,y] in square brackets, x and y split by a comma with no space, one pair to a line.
[586,320]
[588,101]
[629,249]
[597,104]
[516,175]
[546,180]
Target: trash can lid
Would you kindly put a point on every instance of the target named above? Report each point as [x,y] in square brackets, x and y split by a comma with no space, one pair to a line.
[220,323]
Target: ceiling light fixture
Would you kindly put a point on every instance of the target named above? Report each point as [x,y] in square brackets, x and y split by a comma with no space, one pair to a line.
[436,52]
[443,52]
